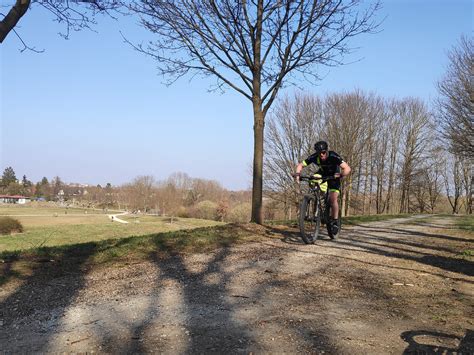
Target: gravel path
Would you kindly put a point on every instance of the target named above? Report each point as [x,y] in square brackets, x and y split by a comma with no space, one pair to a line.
[382,288]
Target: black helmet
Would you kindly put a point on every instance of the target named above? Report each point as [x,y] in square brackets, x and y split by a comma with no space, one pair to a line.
[321,146]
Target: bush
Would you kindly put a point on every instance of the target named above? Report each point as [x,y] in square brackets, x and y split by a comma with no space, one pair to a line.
[240,213]
[183,212]
[10,225]
[205,210]
[222,210]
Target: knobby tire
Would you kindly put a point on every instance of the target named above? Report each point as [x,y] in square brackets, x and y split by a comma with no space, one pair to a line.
[310,219]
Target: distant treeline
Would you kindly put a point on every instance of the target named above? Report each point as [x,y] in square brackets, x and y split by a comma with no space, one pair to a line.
[401,163]
[179,195]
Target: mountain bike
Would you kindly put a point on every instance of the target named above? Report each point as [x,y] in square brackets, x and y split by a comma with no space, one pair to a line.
[316,209]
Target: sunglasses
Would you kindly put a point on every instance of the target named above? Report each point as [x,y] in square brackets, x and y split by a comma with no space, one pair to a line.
[323,152]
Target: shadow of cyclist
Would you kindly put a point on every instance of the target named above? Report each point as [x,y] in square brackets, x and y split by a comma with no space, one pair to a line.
[430,342]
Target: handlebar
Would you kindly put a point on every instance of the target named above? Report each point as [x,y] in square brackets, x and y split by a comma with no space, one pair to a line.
[312,177]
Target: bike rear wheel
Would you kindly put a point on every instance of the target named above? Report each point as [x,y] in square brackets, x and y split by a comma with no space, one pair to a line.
[309,219]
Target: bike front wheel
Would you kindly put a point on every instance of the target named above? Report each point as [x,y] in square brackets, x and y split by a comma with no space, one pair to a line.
[309,219]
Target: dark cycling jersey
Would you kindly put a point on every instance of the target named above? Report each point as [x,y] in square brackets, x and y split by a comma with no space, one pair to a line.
[327,168]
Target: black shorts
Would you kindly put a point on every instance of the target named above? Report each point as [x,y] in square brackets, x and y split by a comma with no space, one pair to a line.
[334,185]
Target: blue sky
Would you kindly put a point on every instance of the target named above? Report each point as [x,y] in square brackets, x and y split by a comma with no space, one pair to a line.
[92,110]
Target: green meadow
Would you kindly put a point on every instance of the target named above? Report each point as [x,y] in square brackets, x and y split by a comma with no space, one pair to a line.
[48,227]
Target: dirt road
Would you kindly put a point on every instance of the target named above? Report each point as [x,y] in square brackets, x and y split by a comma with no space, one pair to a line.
[382,288]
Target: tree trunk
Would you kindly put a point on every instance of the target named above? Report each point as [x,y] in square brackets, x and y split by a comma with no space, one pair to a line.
[366,185]
[468,184]
[371,184]
[391,180]
[259,123]
[348,195]
[11,19]
[357,193]
[258,119]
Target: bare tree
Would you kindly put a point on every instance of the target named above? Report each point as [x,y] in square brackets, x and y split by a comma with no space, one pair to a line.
[426,181]
[433,175]
[420,194]
[293,128]
[201,190]
[73,14]
[394,126]
[453,182]
[391,145]
[350,122]
[253,47]
[456,101]
[468,183]
[415,122]
[140,194]
[383,143]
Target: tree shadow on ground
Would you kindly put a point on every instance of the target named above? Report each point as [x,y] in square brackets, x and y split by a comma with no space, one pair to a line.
[391,246]
[434,225]
[204,294]
[404,242]
[294,236]
[203,298]
[213,316]
[423,234]
[42,297]
[199,299]
[430,342]
[42,301]
[334,244]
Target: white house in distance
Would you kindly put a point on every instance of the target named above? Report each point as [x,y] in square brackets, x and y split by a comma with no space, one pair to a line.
[14,199]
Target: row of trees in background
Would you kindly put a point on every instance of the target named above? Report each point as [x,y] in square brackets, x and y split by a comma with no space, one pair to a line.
[10,185]
[179,195]
[399,164]
[183,196]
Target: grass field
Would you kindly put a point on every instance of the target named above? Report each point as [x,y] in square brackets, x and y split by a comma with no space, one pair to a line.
[54,236]
[45,227]
[19,264]
[465,222]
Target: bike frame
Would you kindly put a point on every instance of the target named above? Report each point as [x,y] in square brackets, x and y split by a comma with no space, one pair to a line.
[321,197]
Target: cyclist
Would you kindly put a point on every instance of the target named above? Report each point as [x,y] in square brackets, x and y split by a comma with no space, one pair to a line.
[330,164]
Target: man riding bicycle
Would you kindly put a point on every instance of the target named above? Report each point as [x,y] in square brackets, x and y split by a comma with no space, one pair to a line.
[330,164]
